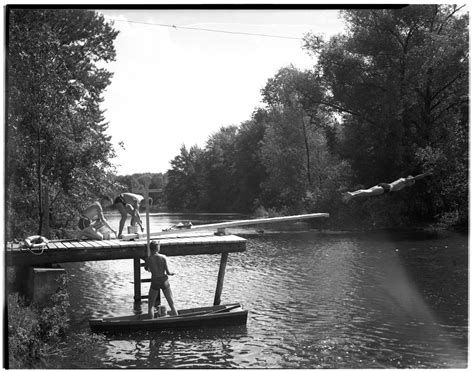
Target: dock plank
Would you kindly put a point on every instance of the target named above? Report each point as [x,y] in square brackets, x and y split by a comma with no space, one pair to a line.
[86,244]
[103,243]
[95,243]
[114,242]
[60,245]
[82,244]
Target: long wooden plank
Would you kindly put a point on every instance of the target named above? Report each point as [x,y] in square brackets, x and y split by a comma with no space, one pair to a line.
[223,225]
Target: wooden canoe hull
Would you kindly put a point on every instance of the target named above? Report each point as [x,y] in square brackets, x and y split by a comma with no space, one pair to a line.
[212,316]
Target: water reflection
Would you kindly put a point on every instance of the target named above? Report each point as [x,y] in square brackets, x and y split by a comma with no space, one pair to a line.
[315,302]
[195,348]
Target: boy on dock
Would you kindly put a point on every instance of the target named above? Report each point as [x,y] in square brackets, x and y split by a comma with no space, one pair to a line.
[383,187]
[92,219]
[158,266]
[128,203]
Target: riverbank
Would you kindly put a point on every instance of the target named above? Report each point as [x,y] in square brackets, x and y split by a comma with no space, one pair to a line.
[422,230]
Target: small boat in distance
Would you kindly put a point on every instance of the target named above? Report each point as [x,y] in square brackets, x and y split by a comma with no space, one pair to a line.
[210,316]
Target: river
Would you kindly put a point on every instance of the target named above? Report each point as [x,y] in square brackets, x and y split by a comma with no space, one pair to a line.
[315,300]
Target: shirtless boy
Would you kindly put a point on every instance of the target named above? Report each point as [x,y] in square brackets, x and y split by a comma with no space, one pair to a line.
[158,266]
[128,203]
[92,219]
[382,188]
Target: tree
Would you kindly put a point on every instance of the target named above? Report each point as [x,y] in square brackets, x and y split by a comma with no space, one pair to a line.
[219,170]
[183,190]
[398,79]
[56,134]
[249,169]
[299,137]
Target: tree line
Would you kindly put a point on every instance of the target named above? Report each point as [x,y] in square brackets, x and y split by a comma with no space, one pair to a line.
[385,99]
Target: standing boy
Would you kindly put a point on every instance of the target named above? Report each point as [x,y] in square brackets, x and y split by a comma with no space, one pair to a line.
[156,263]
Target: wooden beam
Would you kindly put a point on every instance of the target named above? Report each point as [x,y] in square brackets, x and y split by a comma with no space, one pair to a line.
[220,279]
[46,229]
[137,284]
[223,225]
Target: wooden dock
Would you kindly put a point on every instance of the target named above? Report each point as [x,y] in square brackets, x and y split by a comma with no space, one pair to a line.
[97,250]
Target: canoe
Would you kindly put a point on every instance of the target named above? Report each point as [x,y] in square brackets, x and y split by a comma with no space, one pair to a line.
[210,316]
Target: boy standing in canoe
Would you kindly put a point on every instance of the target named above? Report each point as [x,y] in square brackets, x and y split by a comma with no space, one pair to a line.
[158,266]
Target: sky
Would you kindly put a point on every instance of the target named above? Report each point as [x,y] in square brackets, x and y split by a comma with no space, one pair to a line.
[175,86]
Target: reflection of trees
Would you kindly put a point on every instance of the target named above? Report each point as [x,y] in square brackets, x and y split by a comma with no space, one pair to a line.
[196,348]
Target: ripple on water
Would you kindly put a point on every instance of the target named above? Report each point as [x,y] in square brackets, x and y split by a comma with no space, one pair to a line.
[315,302]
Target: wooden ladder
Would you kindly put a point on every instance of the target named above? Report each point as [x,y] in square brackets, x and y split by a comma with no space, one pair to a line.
[137,282]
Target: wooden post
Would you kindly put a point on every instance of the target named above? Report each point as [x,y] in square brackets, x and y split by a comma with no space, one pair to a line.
[147,206]
[158,299]
[220,279]
[145,189]
[137,283]
[45,230]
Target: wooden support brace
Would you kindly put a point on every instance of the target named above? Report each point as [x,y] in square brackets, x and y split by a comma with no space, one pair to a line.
[137,285]
[220,279]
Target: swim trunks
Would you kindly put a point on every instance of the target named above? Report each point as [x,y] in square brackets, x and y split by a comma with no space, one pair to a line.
[386,187]
[84,222]
[160,282]
[120,199]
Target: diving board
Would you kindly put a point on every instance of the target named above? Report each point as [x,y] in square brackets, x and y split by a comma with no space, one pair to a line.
[223,225]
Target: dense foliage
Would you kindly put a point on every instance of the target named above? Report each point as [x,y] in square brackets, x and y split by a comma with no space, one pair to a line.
[57,148]
[387,99]
[37,334]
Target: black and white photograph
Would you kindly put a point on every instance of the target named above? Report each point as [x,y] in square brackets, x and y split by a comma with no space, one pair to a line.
[236,186]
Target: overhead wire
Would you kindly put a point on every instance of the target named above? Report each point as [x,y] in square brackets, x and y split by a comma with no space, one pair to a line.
[205,29]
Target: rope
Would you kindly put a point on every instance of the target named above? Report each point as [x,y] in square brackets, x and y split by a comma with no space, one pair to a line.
[31,250]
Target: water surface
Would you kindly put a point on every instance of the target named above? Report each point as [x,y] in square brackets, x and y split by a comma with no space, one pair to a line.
[315,301]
